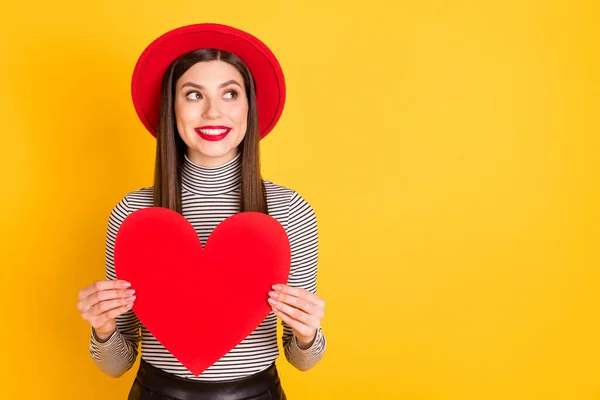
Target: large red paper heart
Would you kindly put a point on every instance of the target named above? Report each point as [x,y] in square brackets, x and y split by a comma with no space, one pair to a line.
[200,303]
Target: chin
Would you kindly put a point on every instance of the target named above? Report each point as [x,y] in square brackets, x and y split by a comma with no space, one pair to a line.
[215,151]
[212,152]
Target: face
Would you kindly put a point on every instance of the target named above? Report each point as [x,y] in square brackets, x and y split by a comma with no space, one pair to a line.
[211,110]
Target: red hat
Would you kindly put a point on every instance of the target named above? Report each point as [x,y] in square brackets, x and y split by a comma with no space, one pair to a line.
[153,63]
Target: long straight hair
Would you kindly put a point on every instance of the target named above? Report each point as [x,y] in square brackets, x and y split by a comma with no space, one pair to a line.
[171,149]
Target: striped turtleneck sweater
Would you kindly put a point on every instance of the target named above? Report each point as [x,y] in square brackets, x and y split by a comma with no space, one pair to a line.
[209,196]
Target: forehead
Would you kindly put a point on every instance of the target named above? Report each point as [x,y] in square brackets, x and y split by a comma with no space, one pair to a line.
[210,73]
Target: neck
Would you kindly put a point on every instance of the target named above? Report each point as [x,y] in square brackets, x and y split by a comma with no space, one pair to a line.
[207,181]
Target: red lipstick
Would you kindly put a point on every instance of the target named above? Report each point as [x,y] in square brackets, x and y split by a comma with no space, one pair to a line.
[213,133]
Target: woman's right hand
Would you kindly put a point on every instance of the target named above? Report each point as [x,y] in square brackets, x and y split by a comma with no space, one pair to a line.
[103,301]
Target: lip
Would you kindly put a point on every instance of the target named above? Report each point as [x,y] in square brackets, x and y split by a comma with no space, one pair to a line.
[213,138]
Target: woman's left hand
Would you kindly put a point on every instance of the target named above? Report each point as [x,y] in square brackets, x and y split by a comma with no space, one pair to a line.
[300,309]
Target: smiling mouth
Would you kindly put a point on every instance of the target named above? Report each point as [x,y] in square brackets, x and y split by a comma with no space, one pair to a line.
[213,133]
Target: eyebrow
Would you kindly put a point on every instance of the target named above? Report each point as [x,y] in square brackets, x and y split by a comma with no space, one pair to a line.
[222,85]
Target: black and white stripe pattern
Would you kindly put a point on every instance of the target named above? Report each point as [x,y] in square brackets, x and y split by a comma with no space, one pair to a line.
[209,196]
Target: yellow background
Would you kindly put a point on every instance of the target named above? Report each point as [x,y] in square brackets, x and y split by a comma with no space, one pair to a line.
[449,148]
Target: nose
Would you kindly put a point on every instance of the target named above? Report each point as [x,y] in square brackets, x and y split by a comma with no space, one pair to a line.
[211,109]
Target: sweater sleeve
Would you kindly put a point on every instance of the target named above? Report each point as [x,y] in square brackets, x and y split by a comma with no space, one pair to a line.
[118,354]
[303,236]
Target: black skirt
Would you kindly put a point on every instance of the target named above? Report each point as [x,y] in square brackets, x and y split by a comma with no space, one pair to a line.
[153,383]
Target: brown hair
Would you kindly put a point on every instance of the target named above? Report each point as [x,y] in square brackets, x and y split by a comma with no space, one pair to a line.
[170,148]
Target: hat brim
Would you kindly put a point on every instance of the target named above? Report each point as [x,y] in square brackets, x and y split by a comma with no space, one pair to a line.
[155,59]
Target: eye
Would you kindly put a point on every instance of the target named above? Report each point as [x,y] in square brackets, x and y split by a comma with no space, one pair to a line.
[231,94]
[193,95]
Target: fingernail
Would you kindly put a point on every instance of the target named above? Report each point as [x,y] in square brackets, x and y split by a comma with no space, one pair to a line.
[272,302]
[130,299]
[129,305]
[273,294]
[129,292]
[276,287]
[125,284]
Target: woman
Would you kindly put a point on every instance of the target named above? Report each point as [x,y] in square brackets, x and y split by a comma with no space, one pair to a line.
[208,110]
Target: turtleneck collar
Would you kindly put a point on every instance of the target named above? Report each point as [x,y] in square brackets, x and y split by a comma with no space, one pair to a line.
[211,181]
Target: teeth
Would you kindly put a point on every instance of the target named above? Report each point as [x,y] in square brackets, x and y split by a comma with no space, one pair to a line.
[213,131]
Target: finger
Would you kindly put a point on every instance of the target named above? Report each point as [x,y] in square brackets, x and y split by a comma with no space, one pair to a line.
[108,305]
[104,295]
[299,292]
[297,326]
[297,302]
[295,313]
[103,285]
[102,319]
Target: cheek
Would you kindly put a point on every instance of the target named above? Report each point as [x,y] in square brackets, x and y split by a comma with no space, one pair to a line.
[184,114]
[240,116]
[179,115]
